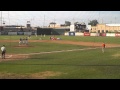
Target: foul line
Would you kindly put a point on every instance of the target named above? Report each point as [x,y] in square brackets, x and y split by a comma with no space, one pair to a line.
[58,51]
[66,50]
[9,56]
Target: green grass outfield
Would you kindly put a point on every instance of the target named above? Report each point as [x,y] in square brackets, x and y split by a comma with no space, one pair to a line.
[79,64]
[71,38]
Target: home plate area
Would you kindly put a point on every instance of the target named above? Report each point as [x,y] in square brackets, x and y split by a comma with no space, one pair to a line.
[13,57]
[7,56]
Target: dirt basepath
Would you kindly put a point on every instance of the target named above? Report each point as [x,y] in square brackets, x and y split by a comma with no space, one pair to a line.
[94,44]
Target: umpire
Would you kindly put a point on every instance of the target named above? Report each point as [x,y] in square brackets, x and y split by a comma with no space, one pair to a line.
[3,49]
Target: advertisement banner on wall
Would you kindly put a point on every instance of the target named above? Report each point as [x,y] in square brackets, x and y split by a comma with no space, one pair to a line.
[86,34]
[110,34]
[71,33]
[79,34]
[102,34]
[117,34]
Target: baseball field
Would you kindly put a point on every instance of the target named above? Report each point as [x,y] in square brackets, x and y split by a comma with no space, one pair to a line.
[72,57]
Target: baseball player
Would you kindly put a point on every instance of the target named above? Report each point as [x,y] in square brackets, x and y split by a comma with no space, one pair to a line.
[3,49]
[20,42]
[103,47]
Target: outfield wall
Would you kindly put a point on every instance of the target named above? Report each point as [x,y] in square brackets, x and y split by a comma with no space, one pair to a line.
[92,34]
[16,33]
[110,34]
[66,34]
[71,33]
[27,33]
[79,34]
[117,34]
[86,34]
[12,33]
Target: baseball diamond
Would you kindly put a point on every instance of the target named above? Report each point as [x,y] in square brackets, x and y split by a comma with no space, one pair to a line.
[22,56]
[72,57]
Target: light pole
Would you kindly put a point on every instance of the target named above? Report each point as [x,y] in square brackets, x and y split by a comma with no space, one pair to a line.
[1,20]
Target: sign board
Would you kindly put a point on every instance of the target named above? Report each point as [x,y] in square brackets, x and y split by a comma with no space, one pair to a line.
[71,33]
[86,34]
[117,34]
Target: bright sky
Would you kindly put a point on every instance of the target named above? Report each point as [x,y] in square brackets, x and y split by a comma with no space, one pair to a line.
[43,18]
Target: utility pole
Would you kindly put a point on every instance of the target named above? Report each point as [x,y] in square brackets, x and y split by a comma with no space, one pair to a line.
[54,22]
[99,16]
[1,20]
[115,20]
[102,20]
[73,20]
[44,21]
[9,18]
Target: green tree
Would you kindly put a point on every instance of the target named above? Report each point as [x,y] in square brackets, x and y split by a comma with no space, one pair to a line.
[93,23]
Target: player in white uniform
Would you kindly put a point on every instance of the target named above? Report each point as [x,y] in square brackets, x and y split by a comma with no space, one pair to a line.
[3,49]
